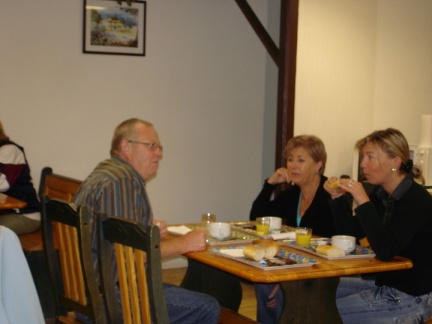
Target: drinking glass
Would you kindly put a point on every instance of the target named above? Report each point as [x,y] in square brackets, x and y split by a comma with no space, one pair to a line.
[206,219]
[303,236]
[262,225]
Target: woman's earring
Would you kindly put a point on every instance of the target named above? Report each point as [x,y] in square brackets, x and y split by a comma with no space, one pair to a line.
[394,169]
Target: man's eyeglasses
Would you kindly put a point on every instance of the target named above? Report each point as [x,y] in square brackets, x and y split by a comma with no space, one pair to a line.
[151,146]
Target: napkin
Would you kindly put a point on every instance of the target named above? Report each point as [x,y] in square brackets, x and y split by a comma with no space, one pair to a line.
[181,230]
[284,236]
[232,252]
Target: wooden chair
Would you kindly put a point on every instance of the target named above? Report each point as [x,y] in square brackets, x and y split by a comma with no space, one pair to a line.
[54,186]
[138,261]
[73,278]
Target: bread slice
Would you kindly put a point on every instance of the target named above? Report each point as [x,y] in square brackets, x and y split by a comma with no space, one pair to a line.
[331,251]
[335,185]
[253,252]
[270,251]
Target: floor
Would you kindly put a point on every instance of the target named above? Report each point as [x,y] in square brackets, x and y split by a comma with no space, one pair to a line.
[247,306]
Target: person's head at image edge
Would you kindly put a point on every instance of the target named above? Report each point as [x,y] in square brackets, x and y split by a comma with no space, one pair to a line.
[3,136]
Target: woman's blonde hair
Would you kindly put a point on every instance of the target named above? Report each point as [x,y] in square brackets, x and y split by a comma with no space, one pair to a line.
[393,143]
[313,145]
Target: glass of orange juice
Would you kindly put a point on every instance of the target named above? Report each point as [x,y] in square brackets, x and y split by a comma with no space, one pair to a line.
[262,225]
[303,236]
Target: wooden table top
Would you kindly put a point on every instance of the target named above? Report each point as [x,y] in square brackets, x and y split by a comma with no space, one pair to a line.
[325,269]
[7,202]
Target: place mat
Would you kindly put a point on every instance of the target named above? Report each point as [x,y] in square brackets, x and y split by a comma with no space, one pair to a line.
[359,253]
[283,260]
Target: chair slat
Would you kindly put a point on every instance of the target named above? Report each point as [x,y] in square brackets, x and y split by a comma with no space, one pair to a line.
[69,262]
[132,284]
[63,259]
[77,273]
[73,279]
[142,283]
[122,278]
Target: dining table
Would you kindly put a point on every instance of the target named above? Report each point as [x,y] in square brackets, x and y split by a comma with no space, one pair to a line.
[309,292]
[8,202]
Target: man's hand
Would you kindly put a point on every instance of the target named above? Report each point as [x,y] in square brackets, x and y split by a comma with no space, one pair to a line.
[195,240]
[190,242]
[163,229]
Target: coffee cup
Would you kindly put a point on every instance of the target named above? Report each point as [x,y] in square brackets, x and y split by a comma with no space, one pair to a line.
[219,230]
[345,242]
[275,224]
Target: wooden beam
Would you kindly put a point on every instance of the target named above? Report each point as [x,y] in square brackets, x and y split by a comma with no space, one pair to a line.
[287,77]
[285,57]
[259,29]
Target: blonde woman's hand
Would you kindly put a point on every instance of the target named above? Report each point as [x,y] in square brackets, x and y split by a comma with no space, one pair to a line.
[332,186]
[279,176]
[356,190]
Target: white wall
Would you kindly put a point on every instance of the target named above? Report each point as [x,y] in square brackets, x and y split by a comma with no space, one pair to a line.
[201,83]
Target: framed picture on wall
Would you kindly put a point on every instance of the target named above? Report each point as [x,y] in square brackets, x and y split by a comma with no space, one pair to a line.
[113,28]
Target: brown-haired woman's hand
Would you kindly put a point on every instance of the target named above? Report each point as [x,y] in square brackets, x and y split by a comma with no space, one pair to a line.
[279,176]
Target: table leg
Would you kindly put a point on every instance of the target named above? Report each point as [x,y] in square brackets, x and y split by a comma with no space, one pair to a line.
[225,287]
[310,301]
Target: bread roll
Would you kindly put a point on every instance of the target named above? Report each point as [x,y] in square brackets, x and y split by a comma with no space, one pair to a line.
[335,185]
[254,252]
[331,251]
[270,251]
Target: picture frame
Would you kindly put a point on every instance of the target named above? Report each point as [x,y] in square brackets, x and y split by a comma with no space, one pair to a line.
[113,28]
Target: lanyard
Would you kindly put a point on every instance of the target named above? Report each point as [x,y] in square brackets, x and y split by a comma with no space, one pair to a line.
[298,210]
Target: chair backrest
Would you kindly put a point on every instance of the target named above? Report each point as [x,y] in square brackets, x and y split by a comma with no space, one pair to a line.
[72,274]
[139,274]
[57,186]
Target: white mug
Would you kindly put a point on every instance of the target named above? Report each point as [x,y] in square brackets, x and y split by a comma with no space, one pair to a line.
[219,230]
[345,242]
[275,224]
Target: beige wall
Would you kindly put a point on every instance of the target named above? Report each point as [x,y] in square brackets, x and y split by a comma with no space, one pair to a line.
[362,65]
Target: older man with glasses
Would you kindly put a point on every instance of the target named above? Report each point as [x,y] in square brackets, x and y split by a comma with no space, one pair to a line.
[116,187]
